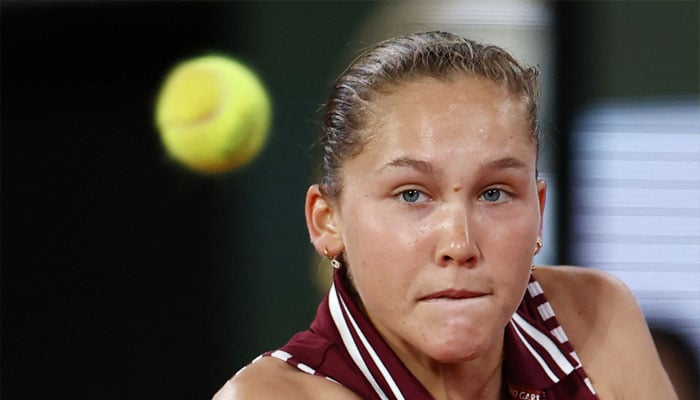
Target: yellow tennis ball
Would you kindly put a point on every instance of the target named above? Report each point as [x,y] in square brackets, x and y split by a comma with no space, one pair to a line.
[213,114]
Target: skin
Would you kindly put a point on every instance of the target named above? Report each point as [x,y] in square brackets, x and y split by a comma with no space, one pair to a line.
[437,221]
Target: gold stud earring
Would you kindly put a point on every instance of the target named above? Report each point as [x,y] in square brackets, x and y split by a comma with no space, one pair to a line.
[538,244]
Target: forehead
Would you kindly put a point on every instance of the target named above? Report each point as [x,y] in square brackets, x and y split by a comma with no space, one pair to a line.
[460,105]
[426,91]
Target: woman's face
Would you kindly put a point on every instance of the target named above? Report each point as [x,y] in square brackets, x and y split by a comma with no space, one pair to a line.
[439,215]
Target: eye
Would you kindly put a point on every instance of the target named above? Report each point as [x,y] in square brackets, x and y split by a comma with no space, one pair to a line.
[412,196]
[493,195]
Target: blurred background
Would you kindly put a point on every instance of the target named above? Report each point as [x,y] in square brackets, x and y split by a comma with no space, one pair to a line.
[126,276]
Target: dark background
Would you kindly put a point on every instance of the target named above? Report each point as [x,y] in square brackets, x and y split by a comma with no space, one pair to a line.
[125,276]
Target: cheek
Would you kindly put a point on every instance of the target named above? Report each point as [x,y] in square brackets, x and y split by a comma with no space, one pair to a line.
[379,232]
[506,223]
[361,231]
[381,248]
[510,239]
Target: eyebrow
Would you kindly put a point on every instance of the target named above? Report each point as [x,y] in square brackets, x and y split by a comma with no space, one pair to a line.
[407,162]
[427,167]
[504,163]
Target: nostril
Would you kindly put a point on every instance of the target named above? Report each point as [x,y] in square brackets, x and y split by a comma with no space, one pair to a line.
[457,250]
[449,260]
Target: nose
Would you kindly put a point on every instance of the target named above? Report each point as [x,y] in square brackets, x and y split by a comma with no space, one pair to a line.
[456,242]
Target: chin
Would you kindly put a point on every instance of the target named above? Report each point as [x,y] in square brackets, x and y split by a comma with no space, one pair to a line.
[457,349]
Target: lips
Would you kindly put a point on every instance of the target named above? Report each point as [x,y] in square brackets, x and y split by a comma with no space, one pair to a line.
[452,294]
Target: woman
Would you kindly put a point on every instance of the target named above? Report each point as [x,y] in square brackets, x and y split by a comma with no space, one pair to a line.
[431,212]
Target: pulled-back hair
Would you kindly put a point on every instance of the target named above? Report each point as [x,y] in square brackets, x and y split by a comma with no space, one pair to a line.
[439,55]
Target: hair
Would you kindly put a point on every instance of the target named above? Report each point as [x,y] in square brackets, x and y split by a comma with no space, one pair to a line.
[401,59]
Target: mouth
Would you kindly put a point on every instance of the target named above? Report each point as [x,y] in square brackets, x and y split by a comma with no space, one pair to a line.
[452,294]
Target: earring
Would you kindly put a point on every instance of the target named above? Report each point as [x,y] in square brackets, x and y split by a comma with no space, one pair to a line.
[334,261]
[539,245]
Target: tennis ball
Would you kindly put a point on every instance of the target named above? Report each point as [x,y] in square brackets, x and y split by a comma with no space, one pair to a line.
[213,114]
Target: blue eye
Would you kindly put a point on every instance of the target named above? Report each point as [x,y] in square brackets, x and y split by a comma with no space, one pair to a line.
[492,195]
[411,195]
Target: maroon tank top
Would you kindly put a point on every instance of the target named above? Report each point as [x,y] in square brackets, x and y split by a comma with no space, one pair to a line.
[342,345]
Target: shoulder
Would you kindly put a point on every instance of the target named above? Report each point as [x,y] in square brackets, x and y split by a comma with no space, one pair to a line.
[269,378]
[608,331]
[582,294]
[588,303]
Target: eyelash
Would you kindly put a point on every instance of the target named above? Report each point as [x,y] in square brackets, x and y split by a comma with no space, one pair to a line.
[401,196]
[500,191]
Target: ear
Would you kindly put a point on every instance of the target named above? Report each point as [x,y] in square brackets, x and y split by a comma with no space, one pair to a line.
[322,219]
[542,197]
